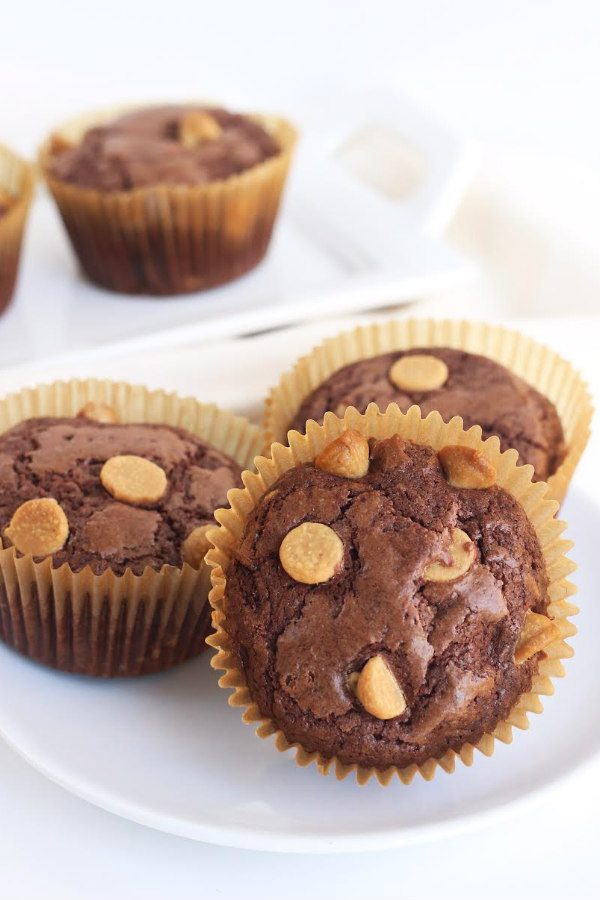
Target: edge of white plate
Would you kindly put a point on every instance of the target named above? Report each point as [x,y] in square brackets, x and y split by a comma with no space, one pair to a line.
[281,841]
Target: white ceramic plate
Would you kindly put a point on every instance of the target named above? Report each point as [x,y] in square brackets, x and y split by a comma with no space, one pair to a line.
[168,752]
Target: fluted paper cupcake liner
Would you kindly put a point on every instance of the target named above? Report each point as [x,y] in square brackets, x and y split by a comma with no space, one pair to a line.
[17,180]
[432,431]
[170,239]
[540,367]
[112,624]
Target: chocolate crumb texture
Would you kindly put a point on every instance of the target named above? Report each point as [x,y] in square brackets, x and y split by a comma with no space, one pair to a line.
[455,383]
[164,145]
[132,494]
[423,626]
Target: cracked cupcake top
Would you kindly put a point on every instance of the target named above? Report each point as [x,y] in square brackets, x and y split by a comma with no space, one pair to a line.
[387,609]
[164,145]
[110,495]
[454,383]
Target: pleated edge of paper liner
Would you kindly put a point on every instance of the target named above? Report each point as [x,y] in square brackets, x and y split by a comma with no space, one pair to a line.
[133,403]
[72,131]
[17,178]
[542,368]
[433,431]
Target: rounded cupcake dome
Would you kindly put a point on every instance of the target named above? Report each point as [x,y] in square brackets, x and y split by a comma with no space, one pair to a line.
[130,494]
[379,616]
[176,144]
[388,593]
[512,386]
[455,383]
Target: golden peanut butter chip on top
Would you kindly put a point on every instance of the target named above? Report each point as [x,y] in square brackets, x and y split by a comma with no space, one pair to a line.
[133,479]
[347,456]
[39,527]
[378,691]
[196,546]
[537,633]
[97,411]
[418,372]
[59,143]
[311,553]
[197,127]
[465,467]
[462,552]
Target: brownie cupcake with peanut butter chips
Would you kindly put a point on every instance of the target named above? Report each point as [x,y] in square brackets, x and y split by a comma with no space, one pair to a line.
[110,495]
[114,514]
[455,383]
[387,600]
[168,199]
[511,386]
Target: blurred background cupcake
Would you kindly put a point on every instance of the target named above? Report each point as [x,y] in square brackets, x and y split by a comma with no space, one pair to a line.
[168,199]
[16,189]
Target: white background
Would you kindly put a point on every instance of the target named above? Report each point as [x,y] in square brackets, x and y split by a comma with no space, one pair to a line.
[520,74]
[524,76]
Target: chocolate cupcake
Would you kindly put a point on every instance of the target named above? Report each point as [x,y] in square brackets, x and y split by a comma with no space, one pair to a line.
[168,199]
[388,599]
[104,522]
[512,387]
[127,496]
[455,383]
[16,190]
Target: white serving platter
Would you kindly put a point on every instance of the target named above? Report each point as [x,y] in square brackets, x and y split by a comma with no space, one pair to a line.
[341,244]
[167,751]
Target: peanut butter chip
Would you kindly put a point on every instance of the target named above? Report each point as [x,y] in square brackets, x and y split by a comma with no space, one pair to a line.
[39,527]
[537,633]
[378,691]
[465,467]
[196,546]
[133,479]
[311,553]
[98,412]
[347,456]
[197,127]
[462,551]
[418,372]
[58,144]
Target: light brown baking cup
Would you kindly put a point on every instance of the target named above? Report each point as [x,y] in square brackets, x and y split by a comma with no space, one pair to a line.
[534,499]
[17,180]
[539,366]
[112,624]
[170,239]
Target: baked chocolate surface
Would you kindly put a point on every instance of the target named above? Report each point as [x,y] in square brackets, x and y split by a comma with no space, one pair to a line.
[62,458]
[145,148]
[478,389]
[450,645]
